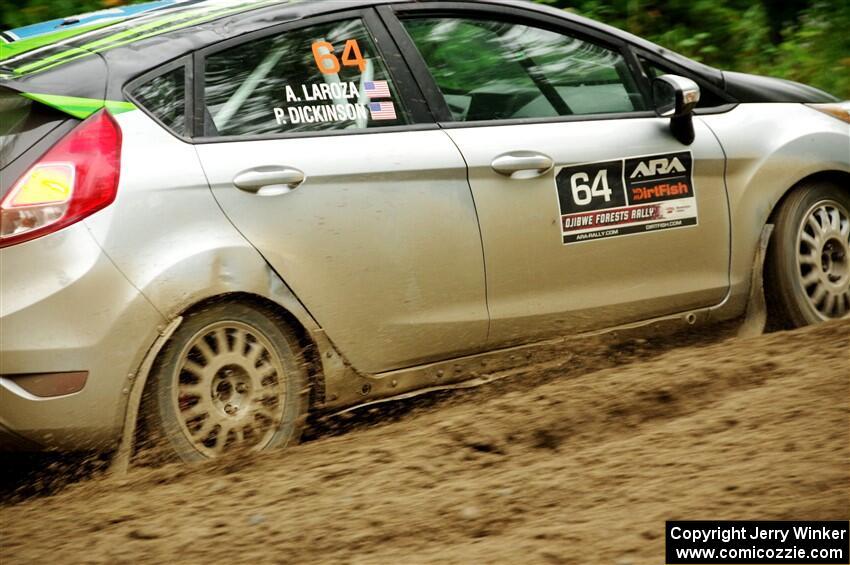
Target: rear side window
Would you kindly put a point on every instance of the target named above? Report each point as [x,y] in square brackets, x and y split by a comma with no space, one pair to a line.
[165,98]
[318,78]
[492,70]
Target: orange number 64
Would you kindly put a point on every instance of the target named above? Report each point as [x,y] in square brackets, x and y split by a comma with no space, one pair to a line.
[328,63]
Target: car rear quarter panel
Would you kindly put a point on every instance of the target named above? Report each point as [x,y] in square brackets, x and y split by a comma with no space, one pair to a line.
[65,307]
[167,234]
[769,149]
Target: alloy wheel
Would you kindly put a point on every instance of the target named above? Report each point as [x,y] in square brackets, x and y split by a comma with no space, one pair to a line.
[228,389]
[823,259]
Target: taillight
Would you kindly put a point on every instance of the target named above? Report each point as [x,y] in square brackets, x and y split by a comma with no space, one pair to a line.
[77,177]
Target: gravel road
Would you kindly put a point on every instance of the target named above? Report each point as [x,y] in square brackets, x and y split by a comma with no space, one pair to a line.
[579,462]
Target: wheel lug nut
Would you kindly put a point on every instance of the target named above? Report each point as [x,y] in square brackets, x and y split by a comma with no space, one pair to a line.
[231,409]
[241,388]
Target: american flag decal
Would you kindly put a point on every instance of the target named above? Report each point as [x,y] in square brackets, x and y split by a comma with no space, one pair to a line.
[382,110]
[377,89]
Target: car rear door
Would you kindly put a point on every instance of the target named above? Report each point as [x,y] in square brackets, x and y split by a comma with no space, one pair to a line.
[591,213]
[319,149]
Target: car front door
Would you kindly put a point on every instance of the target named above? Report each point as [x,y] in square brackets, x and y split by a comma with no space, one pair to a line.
[591,213]
[316,150]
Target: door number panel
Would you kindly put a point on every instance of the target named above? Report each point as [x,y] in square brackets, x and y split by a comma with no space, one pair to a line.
[626,197]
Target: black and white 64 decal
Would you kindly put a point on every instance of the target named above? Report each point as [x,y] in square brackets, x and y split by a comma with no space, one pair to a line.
[627,196]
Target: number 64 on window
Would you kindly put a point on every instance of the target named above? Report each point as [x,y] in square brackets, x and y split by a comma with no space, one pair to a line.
[328,63]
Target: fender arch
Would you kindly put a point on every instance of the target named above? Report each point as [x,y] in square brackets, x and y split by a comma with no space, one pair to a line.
[770,149]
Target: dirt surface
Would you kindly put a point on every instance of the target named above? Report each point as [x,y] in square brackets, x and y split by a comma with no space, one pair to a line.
[565,464]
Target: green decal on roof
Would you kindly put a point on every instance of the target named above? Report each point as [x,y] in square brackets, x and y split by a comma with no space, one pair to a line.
[80,108]
[9,50]
[127,32]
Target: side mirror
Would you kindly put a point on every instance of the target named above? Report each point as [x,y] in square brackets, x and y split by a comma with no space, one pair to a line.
[676,97]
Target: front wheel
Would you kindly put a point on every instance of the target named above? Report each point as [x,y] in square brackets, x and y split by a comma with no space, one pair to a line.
[808,264]
[231,377]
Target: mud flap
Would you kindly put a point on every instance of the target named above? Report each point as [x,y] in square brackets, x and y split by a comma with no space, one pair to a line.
[120,463]
[756,317]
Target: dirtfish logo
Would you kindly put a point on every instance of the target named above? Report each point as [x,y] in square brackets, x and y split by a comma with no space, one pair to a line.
[655,167]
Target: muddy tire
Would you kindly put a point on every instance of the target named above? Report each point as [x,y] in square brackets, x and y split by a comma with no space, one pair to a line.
[232,377]
[808,263]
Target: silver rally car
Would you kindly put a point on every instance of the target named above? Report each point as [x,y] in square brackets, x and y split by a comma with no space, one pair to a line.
[218,216]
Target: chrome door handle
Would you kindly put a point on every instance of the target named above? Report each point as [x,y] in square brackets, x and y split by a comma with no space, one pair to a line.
[522,164]
[269,181]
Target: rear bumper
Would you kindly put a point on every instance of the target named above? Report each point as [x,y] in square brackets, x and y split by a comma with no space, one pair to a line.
[65,308]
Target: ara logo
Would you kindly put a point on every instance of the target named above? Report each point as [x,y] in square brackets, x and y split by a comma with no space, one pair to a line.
[655,167]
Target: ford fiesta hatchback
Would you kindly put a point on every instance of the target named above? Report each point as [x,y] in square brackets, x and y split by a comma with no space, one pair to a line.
[218,216]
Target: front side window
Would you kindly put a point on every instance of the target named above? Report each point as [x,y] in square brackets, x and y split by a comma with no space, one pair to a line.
[490,70]
[318,78]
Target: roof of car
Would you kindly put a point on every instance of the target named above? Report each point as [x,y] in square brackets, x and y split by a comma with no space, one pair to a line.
[131,40]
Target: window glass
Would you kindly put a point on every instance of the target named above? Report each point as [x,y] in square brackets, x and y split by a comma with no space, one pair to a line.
[165,98]
[490,70]
[652,71]
[323,77]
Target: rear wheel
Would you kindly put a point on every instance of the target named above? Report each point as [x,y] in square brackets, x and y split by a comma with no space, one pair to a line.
[808,268]
[232,377]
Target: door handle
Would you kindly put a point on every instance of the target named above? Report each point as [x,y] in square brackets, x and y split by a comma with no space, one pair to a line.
[522,164]
[269,181]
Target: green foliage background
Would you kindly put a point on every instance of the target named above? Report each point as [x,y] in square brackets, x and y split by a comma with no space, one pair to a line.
[803,40]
